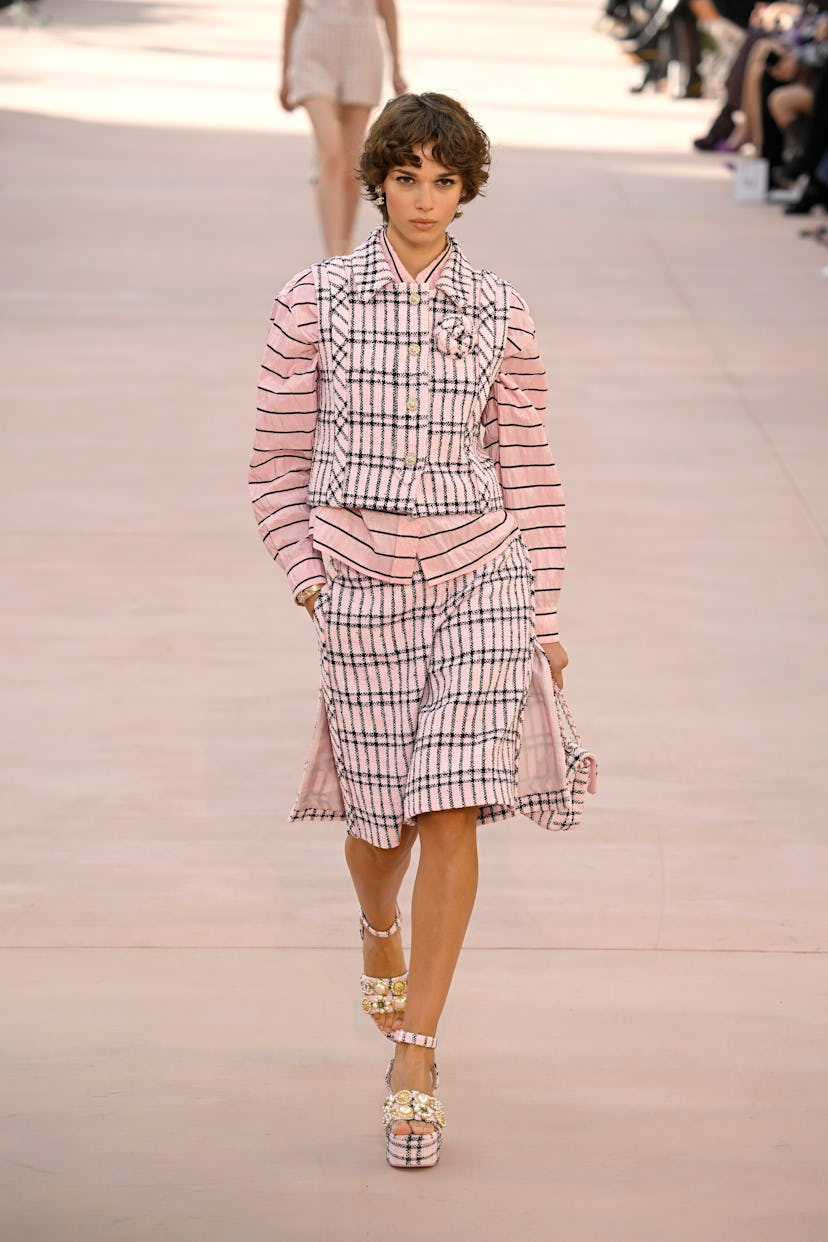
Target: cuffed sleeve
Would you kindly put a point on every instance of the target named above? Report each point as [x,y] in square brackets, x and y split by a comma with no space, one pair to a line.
[514,436]
[287,410]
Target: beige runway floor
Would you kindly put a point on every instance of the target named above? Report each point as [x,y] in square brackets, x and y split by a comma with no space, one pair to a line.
[635,1048]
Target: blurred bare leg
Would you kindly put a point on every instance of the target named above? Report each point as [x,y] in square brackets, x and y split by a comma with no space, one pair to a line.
[787,103]
[324,118]
[751,128]
[353,119]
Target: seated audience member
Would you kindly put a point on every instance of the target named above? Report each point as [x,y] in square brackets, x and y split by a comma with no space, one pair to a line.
[767,25]
[771,62]
[787,92]
[814,154]
[778,78]
[661,35]
[722,24]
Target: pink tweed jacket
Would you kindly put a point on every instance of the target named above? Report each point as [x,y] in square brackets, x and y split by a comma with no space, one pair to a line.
[404,376]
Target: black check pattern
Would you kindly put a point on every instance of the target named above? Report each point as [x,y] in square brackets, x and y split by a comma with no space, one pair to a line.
[396,410]
[425,687]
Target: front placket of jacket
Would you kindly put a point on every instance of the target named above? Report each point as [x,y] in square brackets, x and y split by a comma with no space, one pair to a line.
[334,431]
[415,311]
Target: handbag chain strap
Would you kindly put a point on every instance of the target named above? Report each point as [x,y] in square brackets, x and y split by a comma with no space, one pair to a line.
[561,702]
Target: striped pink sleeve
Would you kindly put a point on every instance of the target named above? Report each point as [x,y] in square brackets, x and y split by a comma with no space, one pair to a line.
[285,429]
[514,436]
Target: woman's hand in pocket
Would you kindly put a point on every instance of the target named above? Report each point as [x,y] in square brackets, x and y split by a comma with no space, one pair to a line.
[310,602]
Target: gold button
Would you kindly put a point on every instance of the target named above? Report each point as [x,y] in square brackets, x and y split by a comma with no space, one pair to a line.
[410,459]
[414,299]
[411,403]
[414,349]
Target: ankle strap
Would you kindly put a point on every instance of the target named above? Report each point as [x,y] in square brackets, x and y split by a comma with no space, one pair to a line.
[408,1037]
[365,926]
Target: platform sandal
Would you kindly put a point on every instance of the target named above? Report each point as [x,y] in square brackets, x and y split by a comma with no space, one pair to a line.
[382,995]
[413,1151]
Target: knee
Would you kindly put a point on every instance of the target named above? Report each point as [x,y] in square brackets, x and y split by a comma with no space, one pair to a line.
[756,64]
[386,861]
[331,161]
[452,834]
[778,109]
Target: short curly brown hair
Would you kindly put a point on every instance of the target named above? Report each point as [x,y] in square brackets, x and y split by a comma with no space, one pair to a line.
[437,122]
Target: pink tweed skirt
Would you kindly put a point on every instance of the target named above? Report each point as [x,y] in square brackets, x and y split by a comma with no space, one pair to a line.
[424,688]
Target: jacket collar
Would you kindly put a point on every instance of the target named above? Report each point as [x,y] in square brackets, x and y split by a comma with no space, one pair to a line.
[371,272]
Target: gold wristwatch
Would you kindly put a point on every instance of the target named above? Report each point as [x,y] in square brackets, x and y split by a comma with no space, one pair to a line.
[308,593]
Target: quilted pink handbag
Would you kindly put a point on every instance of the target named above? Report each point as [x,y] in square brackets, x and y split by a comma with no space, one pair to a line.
[581,775]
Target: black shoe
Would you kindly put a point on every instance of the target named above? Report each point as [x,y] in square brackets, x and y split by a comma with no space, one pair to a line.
[810,197]
[778,178]
[649,77]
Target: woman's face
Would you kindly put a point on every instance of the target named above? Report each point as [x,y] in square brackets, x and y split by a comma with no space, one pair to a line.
[421,201]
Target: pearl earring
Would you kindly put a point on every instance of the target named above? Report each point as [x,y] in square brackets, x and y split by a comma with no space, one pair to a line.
[379,198]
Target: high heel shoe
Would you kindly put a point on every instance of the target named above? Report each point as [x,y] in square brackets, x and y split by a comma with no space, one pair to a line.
[413,1151]
[382,995]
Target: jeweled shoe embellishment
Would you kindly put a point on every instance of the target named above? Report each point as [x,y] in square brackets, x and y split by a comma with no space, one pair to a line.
[383,995]
[413,1106]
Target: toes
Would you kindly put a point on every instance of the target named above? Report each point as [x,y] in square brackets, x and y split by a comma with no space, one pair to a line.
[412,1127]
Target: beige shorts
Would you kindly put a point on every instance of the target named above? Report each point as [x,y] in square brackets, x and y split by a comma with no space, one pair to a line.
[336,54]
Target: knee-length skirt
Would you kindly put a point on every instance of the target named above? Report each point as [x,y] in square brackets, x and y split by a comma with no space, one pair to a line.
[426,693]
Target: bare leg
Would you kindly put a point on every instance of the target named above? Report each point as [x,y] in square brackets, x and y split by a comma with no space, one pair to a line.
[754,69]
[353,119]
[789,102]
[377,875]
[752,91]
[444,894]
[329,193]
